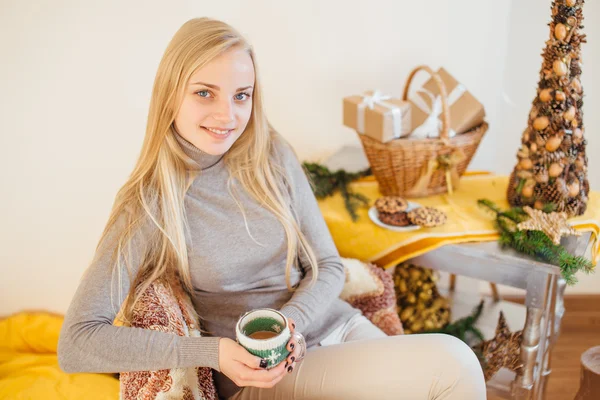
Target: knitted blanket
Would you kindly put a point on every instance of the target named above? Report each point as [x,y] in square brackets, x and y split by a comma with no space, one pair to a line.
[371,290]
[161,309]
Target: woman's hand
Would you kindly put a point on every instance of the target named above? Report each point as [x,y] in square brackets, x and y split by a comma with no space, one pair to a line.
[244,368]
[297,349]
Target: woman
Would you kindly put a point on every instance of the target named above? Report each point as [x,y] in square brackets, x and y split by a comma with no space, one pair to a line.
[220,199]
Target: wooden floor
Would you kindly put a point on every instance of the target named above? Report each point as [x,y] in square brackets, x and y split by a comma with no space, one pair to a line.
[580,330]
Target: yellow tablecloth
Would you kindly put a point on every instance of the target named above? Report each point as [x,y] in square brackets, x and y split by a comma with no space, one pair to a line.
[467,222]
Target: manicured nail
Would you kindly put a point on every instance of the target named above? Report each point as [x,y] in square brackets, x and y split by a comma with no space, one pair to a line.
[290,368]
[292,346]
[263,363]
[293,358]
[286,364]
[293,325]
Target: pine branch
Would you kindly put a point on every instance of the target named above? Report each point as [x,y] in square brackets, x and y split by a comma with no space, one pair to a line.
[325,183]
[536,243]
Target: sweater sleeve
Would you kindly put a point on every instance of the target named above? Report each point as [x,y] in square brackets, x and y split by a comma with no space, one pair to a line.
[89,342]
[310,302]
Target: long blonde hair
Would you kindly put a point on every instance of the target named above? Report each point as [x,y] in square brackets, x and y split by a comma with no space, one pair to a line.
[151,202]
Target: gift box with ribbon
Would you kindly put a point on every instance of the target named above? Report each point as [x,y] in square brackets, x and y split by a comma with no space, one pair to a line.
[378,116]
[466,112]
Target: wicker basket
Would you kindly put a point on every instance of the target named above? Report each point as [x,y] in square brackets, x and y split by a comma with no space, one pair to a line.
[397,165]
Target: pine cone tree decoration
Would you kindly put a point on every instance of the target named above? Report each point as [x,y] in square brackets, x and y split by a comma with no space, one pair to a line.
[555,162]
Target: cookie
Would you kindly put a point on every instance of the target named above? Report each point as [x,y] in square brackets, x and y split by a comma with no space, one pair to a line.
[396,219]
[391,204]
[427,217]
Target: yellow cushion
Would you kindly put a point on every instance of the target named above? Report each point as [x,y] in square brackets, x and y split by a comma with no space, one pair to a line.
[29,367]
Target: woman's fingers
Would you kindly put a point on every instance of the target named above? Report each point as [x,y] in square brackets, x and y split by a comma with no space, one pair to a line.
[292,325]
[250,360]
[291,367]
[259,377]
[293,356]
[291,345]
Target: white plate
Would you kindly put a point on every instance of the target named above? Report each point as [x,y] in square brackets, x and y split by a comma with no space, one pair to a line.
[373,214]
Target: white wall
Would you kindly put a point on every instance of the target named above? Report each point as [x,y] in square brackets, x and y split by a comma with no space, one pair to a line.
[77,76]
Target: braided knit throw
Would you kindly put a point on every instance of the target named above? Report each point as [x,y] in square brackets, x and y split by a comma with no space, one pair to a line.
[162,309]
[371,290]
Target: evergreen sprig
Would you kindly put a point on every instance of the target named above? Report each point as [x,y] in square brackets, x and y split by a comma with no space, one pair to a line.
[325,183]
[536,243]
[463,327]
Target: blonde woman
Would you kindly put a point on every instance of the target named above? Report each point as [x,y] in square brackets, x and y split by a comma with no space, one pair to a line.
[219,198]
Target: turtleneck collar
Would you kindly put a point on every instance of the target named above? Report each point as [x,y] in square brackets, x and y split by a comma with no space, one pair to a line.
[203,159]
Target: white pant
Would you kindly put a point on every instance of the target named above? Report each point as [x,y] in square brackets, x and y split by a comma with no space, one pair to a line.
[359,361]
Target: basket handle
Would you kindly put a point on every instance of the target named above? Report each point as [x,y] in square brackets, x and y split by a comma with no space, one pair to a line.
[444,96]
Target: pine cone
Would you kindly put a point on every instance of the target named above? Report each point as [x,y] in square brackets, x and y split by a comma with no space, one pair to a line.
[514,199]
[544,110]
[566,11]
[555,193]
[538,191]
[579,104]
[561,49]
[576,40]
[579,15]
[572,154]
[573,207]
[540,173]
[585,188]
[558,106]
[557,124]
[575,68]
[547,157]
[560,19]
[566,145]
[546,83]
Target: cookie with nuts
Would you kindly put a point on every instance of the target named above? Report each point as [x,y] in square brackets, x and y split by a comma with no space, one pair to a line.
[427,217]
[391,204]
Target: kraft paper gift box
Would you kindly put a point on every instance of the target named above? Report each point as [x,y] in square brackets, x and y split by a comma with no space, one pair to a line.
[380,117]
[466,112]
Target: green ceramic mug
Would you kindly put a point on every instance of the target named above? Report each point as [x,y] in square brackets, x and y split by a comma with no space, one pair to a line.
[265,333]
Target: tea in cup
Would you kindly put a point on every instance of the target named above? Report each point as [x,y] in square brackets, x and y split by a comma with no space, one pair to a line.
[265,333]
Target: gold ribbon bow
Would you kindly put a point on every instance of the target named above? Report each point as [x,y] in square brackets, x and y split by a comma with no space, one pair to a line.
[449,163]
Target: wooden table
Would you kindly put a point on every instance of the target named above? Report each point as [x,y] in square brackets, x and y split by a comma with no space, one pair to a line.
[541,315]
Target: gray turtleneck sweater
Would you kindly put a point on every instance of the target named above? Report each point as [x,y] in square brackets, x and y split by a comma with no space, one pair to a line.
[231,274]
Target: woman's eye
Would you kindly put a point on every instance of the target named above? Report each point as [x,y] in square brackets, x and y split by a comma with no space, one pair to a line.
[237,96]
[203,93]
